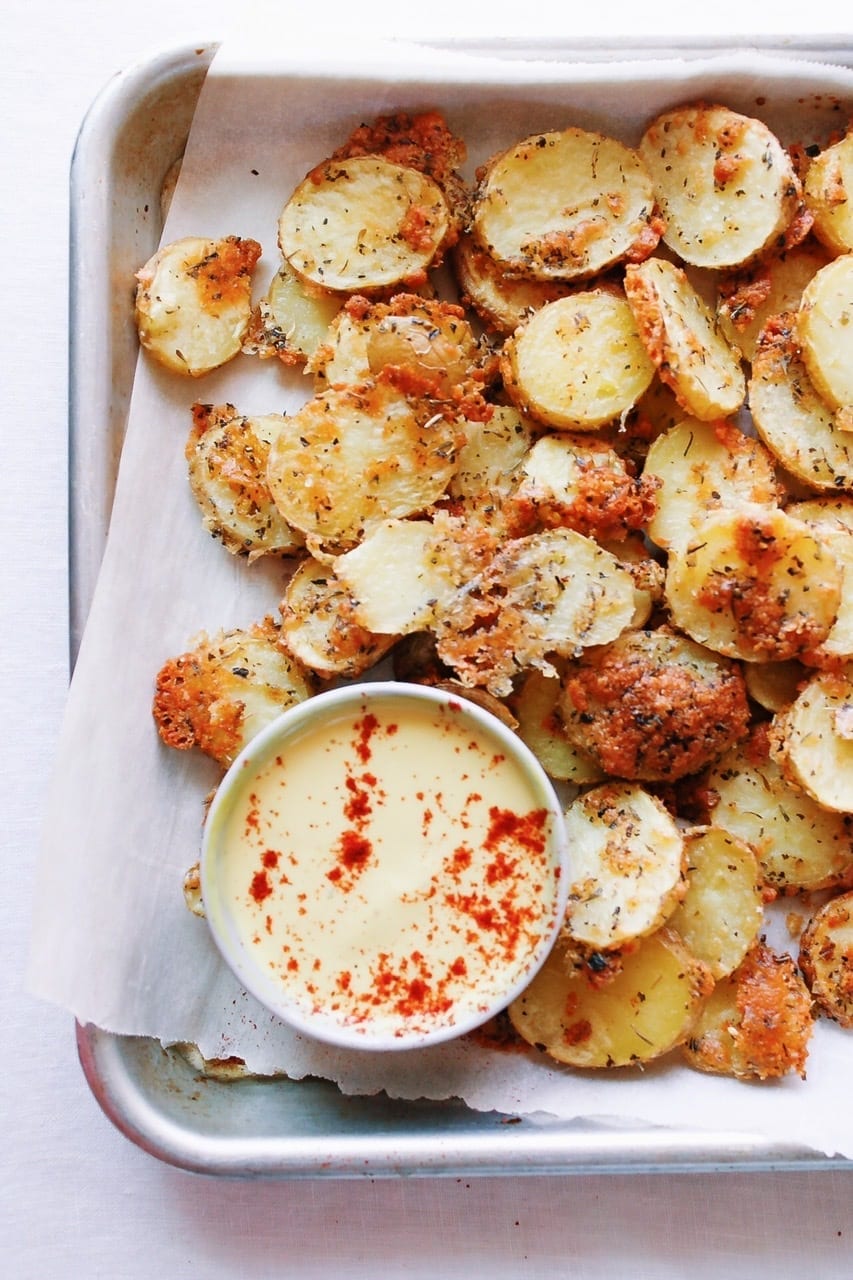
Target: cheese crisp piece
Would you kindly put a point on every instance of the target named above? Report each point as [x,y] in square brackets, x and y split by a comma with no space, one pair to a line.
[364,223]
[627,865]
[815,740]
[194,302]
[826,958]
[578,362]
[565,206]
[681,335]
[825,332]
[791,417]
[355,456]
[725,184]
[828,192]
[648,1008]
[755,584]
[550,593]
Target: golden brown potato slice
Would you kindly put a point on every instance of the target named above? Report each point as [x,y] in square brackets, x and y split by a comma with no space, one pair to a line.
[791,418]
[828,191]
[627,865]
[702,467]
[722,913]
[318,627]
[227,461]
[683,339]
[747,299]
[826,958]
[355,456]
[565,205]
[757,1023]
[800,845]
[643,1012]
[539,725]
[773,685]
[364,223]
[487,465]
[550,593]
[825,333]
[832,519]
[814,739]
[291,320]
[194,302]
[577,362]
[222,692]
[653,705]
[725,184]
[501,301]
[755,584]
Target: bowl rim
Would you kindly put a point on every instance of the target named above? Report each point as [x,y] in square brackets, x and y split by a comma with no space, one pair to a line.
[282,732]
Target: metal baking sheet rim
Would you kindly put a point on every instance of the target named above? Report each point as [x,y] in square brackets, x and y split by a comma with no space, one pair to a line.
[279,1128]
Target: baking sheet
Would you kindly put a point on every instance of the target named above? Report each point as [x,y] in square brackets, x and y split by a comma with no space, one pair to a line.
[593,98]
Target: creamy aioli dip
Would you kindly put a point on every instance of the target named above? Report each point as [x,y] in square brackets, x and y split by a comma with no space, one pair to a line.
[389,867]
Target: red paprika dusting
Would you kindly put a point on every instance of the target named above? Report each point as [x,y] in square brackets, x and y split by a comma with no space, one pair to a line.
[270,858]
[260,888]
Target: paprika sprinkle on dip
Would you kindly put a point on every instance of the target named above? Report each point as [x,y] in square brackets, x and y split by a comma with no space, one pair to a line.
[386,867]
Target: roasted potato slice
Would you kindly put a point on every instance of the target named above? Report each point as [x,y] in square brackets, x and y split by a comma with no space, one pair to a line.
[826,958]
[702,467]
[828,191]
[627,865]
[291,320]
[318,626]
[757,1024]
[832,519]
[539,725]
[825,334]
[799,844]
[791,417]
[194,302]
[773,685]
[549,593]
[726,187]
[355,456]
[648,1008]
[223,691]
[227,461]
[814,740]
[501,301]
[747,299]
[722,912]
[684,341]
[755,584]
[653,705]
[487,465]
[577,362]
[565,205]
[363,224]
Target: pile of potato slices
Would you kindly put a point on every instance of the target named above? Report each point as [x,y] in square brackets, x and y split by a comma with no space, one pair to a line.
[577,442]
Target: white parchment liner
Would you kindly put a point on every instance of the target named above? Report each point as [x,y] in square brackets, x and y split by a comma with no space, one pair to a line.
[112,939]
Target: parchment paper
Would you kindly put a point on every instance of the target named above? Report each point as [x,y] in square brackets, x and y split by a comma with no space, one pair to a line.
[112,939]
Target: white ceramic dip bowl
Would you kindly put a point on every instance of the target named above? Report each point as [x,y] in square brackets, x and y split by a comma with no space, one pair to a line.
[385,866]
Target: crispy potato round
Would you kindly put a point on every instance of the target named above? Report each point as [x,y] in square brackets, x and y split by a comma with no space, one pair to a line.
[799,845]
[773,685]
[364,223]
[653,706]
[577,362]
[627,865]
[683,339]
[222,692]
[725,184]
[702,467]
[501,301]
[814,738]
[755,584]
[828,191]
[194,302]
[722,912]
[318,626]
[564,205]
[791,418]
[535,705]
[832,520]
[757,1024]
[825,333]
[291,320]
[648,1008]
[747,299]
[227,459]
[826,958]
[355,456]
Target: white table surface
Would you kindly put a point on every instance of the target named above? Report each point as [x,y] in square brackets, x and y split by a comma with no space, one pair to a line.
[77,1199]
